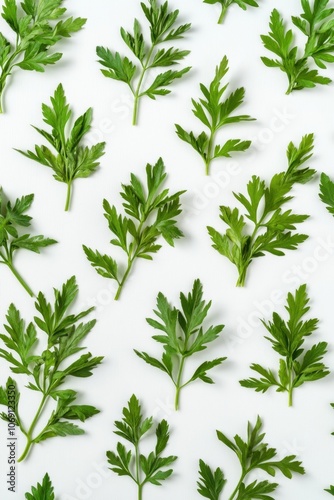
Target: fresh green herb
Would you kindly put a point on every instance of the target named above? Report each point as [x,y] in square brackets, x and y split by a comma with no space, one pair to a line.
[141,469]
[184,336]
[73,160]
[317,25]
[163,28]
[227,3]
[253,455]
[327,192]
[137,235]
[215,113]
[296,365]
[42,491]
[38,26]
[49,370]
[273,227]
[11,219]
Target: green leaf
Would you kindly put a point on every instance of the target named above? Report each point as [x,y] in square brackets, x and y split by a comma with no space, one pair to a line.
[327,192]
[163,27]
[72,160]
[211,483]
[215,113]
[253,454]
[105,266]
[38,27]
[12,218]
[296,365]
[43,491]
[152,213]
[273,229]
[133,427]
[45,370]
[183,335]
[318,30]
[163,80]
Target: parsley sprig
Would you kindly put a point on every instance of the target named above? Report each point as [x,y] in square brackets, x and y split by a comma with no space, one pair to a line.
[38,26]
[152,212]
[12,218]
[43,491]
[183,336]
[48,370]
[297,365]
[227,3]
[215,113]
[272,227]
[316,23]
[141,469]
[73,160]
[163,28]
[253,454]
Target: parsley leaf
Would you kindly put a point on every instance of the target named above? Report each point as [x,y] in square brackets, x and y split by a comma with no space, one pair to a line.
[296,365]
[48,370]
[13,217]
[317,25]
[152,213]
[215,113]
[253,455]
[184,335]
[227,3]
[73,160]
[42,491]
[327,192]
[330,490]
[163,28]
[273,227]
[141,469]
[38,26]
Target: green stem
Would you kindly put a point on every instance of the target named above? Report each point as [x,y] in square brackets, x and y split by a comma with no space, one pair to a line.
[236,490]
[179,385]
[289,364]
[140,485]
[20,279]
[209,152]
[137,93]
[121,284]
[30,440]
[68,196]
[222,15]
[242,277]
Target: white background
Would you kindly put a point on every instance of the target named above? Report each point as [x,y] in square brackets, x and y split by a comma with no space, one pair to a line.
[304,429]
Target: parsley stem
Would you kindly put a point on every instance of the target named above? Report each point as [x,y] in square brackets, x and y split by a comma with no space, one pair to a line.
[179,384]
[290,396]
[209,158]
[30,440]
[238,486]
[137,93]
[127,272]
[20,279]
[68,196]
[140,485]
[222,15]
[242,276]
